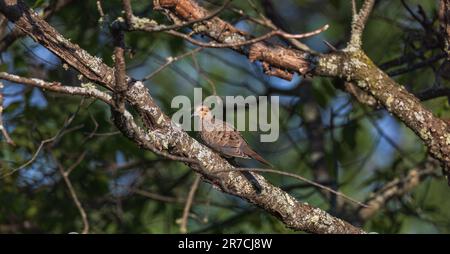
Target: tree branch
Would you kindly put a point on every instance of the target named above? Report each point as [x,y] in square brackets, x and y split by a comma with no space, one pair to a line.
[396,188]
[2,124]
[188,205]
[88,90]
[359,21]
[16,33]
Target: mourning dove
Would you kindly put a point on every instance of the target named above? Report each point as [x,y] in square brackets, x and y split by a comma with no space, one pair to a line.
[223,137]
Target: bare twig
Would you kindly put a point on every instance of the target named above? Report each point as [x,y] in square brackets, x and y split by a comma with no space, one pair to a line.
[73,194]
[359,22]
[61,132]
[315,184]
[58,135]
[354,8]
[119,69]
[100,8]
[171,60]
[250,41]
[397,188]
[180,200]
[2,125]
[187,207]
[88,90]
[128,12]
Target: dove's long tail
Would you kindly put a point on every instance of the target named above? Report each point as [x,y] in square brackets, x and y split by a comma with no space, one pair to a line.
[249,152]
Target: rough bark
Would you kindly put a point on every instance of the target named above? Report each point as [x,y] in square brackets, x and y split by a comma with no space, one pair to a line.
[444,19]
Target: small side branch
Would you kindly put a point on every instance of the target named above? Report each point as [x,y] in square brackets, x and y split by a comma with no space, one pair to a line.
[444,20]
[250,41]
[87,90]
[359,21]
[397,188]
[188,205]
[128,11]
[2,125]
[65,175]
[119,69]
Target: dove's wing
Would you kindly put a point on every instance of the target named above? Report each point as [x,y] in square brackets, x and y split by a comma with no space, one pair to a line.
[223,138]
[228,143]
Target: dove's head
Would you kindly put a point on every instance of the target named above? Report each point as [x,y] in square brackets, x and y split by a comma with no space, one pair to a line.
[203,112]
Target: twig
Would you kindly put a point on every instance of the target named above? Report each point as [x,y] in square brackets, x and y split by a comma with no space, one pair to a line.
[88,90]
[359,22]
[354,8]
[273,21]
[171,199]
[73,194]
[415,66]
[128,12]
[247,42]
[77,162]
[33,158]
[169,61]
[397,188]
[187,207]
[2,125]
[119,69]
[318,185]
[100,9]
[55,138]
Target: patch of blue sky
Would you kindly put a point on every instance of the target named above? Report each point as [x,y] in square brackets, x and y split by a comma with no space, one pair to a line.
[7,59]
[120,158]
[283,84]
[384,152]
[37,99]
[12,93]
[120,186]
[289,100]
[42,55]
[39,173]
[340,107]
[243,26]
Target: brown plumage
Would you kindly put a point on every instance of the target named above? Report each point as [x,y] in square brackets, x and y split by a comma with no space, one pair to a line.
[224,138]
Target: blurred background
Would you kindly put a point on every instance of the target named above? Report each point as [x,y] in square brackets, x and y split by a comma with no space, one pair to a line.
[325,134]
